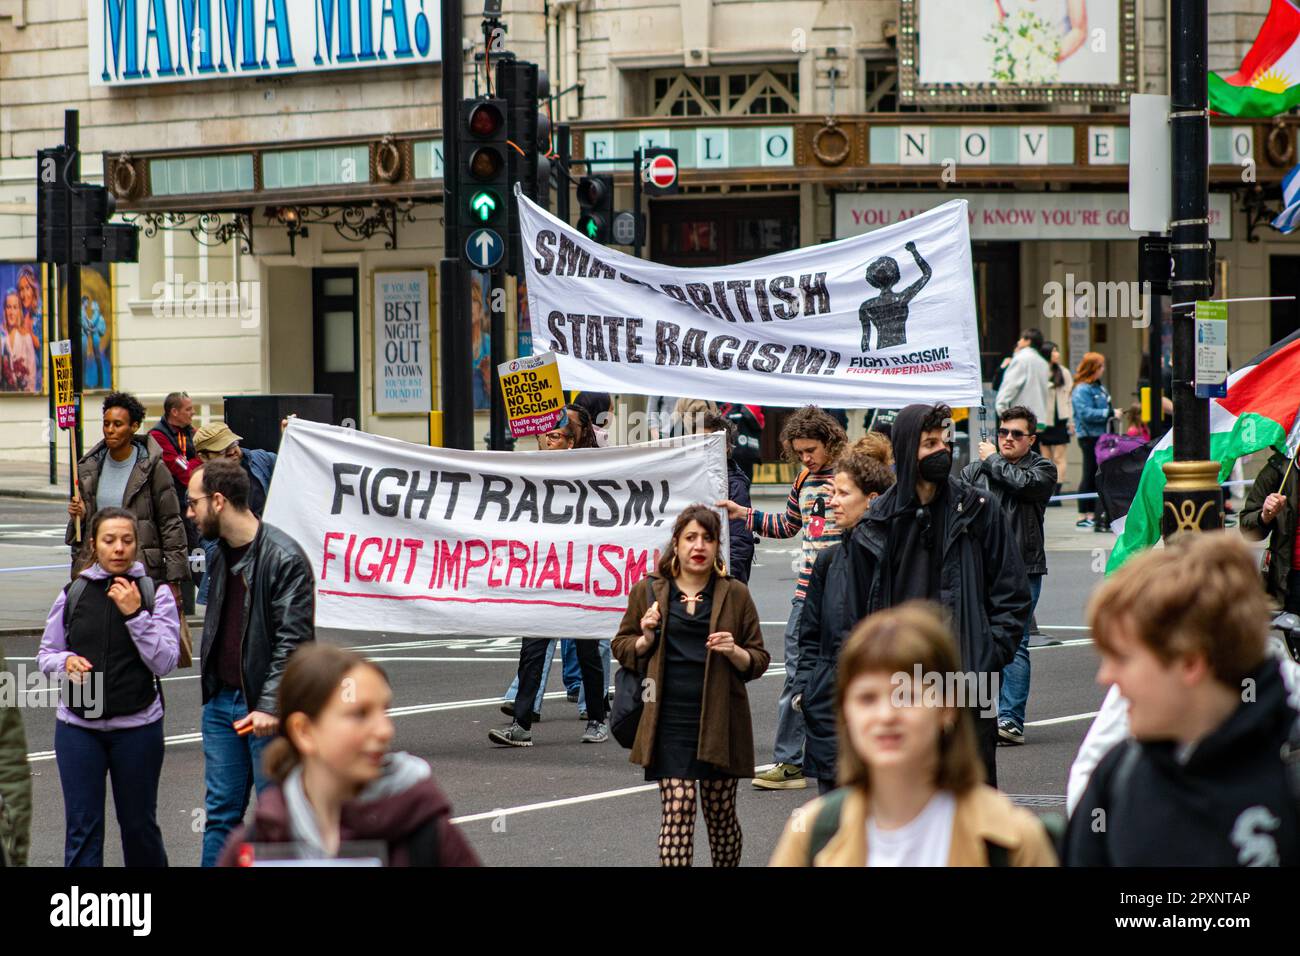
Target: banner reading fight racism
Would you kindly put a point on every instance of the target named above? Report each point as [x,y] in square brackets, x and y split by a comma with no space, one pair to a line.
[876,321]
[437,541]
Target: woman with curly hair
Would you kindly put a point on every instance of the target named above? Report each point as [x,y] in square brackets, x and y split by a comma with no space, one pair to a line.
[127,471]
[862,474]
[813,439]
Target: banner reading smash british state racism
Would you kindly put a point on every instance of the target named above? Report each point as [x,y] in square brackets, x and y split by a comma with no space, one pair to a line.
[421,540]
[876,321]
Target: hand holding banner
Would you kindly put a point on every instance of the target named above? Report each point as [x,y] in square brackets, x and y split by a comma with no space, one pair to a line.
[543,544]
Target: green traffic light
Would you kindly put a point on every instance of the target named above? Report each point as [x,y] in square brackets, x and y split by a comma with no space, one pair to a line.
[484,205]
[592,229]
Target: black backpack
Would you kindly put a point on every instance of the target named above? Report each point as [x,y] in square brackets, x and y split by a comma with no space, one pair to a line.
[78,588]
[148,592]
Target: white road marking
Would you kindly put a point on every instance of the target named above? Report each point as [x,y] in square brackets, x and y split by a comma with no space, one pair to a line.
[1061,720]
[408,711]
[568,801]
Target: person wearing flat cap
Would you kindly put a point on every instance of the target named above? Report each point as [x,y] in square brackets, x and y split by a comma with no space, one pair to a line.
[218,440]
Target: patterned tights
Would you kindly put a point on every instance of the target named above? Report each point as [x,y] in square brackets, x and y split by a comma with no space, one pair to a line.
[677,832]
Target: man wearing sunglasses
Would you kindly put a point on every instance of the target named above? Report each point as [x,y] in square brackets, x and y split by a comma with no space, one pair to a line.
[1022,481]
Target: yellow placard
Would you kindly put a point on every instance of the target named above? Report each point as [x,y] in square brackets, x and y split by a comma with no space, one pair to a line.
[530,388]
[65,408]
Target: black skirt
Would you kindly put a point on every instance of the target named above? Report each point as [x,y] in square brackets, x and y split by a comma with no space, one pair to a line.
[677,736]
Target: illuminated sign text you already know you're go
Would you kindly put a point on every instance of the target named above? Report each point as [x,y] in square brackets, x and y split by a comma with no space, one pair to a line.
[132,42]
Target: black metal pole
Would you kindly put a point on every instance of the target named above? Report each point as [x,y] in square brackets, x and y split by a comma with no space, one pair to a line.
[71,284]
[636,201]
[1193,498]
[1155,364]
[562,180]
[497,428]
[454,335]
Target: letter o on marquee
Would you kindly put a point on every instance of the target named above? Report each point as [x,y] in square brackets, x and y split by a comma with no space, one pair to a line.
[780,138]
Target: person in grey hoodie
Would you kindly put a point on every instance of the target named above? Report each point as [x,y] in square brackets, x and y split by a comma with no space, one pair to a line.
[337,791]
[1028,379]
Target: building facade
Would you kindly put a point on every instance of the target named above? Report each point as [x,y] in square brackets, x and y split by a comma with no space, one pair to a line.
[282,172]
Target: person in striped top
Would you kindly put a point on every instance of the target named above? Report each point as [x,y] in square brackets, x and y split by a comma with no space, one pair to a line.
[813,439]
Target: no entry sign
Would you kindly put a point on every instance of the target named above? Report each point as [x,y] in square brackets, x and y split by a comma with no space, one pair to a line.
[660,171]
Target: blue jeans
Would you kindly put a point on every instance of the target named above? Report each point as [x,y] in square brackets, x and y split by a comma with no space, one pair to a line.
[132,759]
[604,666]
[210,546]
[232,765]
[572,672]
[789,722]
[568,649]
[1015,676]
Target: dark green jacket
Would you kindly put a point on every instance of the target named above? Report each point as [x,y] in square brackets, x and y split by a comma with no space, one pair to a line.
[1281,530]
[15,785]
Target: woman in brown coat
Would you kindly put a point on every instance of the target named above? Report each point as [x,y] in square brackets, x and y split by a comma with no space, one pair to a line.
[912,789]
[694,633]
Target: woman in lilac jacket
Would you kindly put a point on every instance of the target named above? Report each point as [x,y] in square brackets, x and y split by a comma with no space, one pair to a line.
[108,649]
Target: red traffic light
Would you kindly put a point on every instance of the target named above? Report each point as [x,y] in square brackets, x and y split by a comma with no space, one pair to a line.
[485,120]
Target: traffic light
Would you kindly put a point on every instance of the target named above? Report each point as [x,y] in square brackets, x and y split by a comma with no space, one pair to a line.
[525,87]
[596,207]
[483,180]
[93,238]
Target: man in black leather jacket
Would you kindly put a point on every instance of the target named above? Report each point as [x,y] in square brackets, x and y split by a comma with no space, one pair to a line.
[1023,481]
[934,537]
[261,607]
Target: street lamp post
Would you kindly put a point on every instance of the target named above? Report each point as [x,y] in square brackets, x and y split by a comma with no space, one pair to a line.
[1193,500]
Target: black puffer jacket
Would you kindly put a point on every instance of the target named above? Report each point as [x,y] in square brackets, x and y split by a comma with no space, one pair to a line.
[741,556]
[151,496]
[280,614]
[1228,804]
[825,622]
[982,579]
[1023,487]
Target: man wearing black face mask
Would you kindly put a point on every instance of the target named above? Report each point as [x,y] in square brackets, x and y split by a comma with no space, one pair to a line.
[934,537]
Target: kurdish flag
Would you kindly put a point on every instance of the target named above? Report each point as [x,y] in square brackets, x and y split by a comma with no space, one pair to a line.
[1257,413]
[1268,82]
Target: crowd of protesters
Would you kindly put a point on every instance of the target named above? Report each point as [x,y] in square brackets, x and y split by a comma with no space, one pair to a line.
[905,568]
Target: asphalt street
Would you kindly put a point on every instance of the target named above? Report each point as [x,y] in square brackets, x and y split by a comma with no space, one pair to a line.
[560,802]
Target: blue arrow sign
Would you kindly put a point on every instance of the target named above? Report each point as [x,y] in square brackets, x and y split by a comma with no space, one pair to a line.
[484,248]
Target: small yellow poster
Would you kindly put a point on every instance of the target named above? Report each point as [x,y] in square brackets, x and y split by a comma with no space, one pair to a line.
[65,409]
[531,390]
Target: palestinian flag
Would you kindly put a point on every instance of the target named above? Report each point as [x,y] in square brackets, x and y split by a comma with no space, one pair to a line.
[1268,82]
[1257,413]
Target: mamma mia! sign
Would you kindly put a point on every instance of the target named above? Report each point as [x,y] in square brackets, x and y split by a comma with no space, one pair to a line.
[163,41]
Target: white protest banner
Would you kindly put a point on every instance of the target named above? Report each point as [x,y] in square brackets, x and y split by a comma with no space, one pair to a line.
[423,540]
[876,321]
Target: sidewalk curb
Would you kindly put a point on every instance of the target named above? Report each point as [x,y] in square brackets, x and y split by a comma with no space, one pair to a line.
[15,633]
[34,494]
